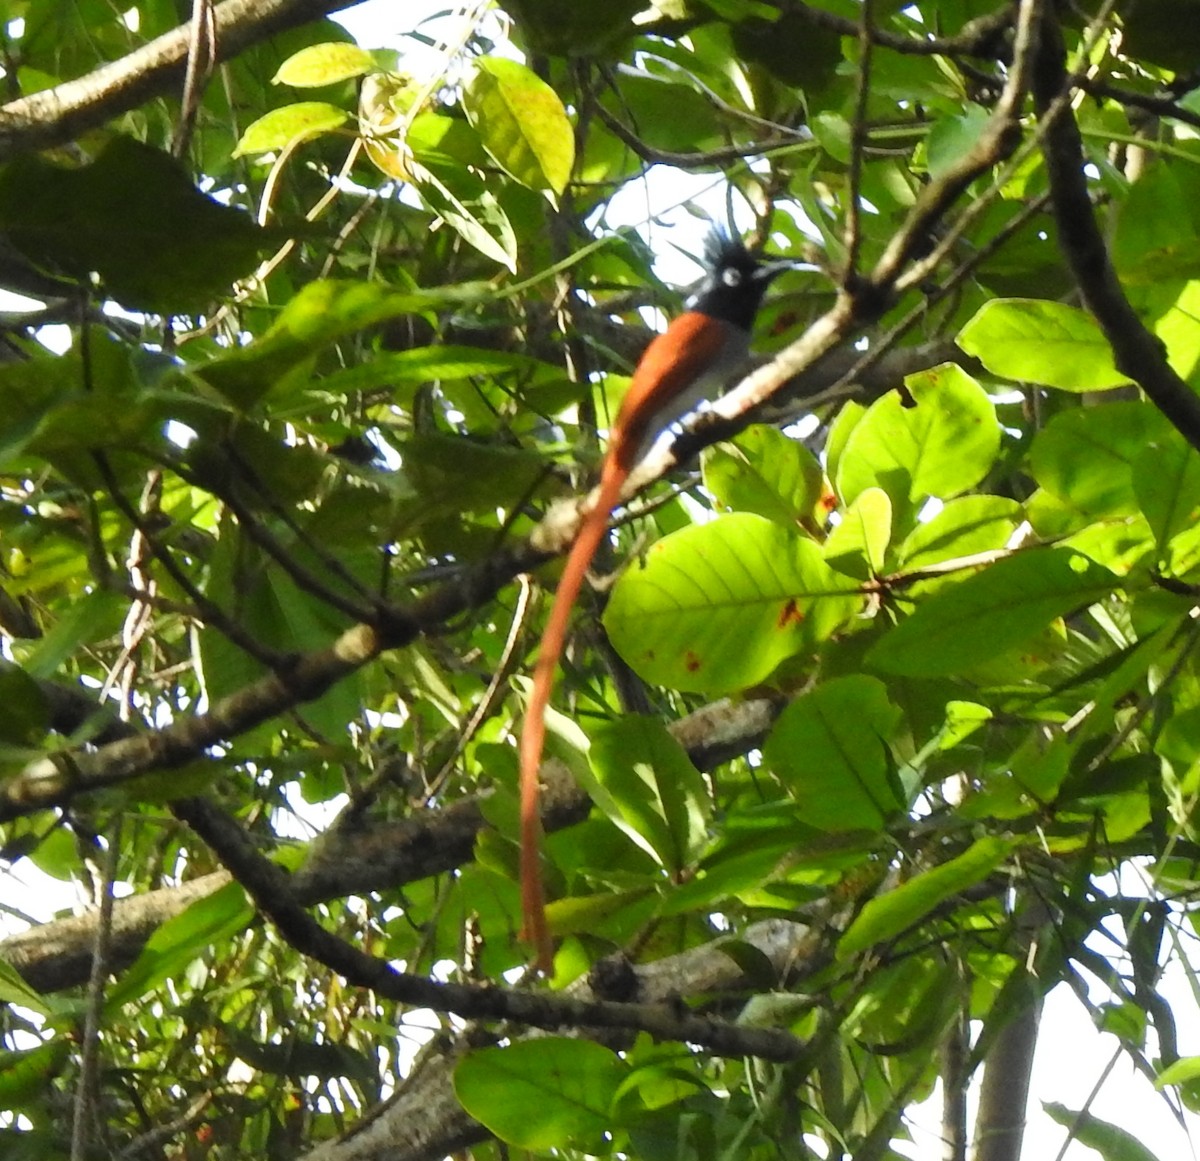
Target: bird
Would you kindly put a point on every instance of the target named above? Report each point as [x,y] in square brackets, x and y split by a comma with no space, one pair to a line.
[692,359]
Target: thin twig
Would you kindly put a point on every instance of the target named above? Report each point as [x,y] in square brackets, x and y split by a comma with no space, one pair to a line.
[201,59]
[211,613]
[86,1095]
[853,231]
[492,694]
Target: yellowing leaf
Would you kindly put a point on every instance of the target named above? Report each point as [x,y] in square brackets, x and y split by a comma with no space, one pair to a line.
[324,64]
[280,127]
[522,123]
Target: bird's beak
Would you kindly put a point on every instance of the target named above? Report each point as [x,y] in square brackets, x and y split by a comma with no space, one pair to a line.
[769,270]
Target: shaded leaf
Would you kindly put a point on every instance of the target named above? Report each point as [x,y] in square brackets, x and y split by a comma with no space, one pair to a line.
[829,748]
[134,217]
[1166,482]
[472,211]
[316,316]
[994,610]
[1085,456]
[659,797]
[541,1094]
[1111,1141]
[897,910]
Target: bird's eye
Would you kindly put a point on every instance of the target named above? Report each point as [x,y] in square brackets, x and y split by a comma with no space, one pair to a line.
[731,276]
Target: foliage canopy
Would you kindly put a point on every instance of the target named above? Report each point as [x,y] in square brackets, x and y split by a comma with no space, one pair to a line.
[896,675]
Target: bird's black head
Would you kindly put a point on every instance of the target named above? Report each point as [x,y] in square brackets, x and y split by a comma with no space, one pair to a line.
[735,280]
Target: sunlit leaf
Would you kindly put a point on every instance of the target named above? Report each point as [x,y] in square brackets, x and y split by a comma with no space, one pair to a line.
[324,64]
[280,127]
[858,544]
[942,446]
[1038,341]
[764,471]
[177,942]
[719,606]
[522,123]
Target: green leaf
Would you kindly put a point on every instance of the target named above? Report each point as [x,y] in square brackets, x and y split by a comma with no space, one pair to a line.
[427,364]
[280,127]
[857,545]
[829,748]
[472,211]
[797,51]
[522,123]
[716,607]
[965,526]
[1179,1072]
[890,914]
[952,137]
[1036,341]
[1164,32]
[548,1093]
[181,939]
[24,715]
[1166,482]
[653,791]
[1111,1141]
[764,471]
[499,476]
[572,29]
[319,314]
[844,423]
[300,1058]
[997,609]
[1085,456]
[27,1073]
[963,718]
[134,217]
[941,447]
[738,10]
[14,990]
[324,64]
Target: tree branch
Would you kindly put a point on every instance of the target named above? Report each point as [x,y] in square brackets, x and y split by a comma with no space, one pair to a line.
[1137,352]
[354,856]
[425,1122]
[271,891]
[61,114]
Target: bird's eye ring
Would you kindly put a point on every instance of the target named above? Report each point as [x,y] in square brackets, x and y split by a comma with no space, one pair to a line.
[731,276]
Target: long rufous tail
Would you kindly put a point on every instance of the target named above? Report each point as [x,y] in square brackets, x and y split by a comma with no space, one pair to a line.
[533,731]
